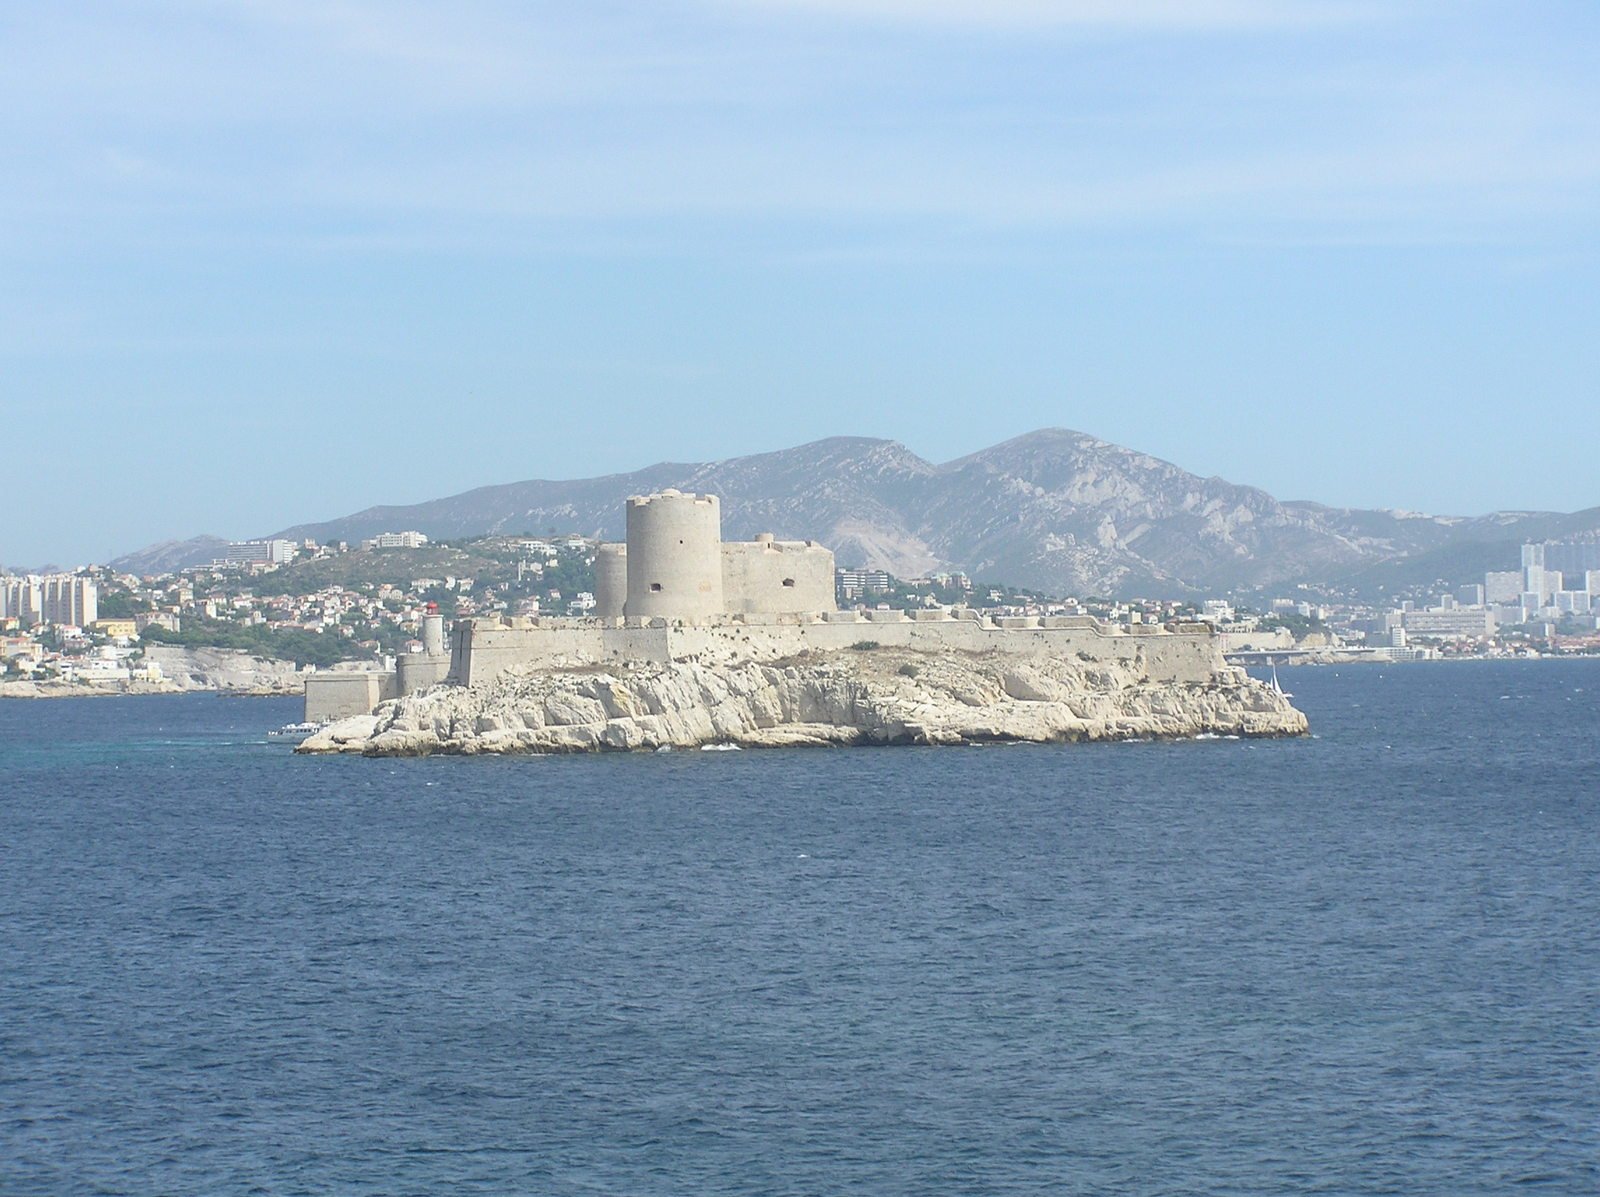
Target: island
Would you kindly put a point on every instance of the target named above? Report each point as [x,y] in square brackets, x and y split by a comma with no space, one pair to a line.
[696,642]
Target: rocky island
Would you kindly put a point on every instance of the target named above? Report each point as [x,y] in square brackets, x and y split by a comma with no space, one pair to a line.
[697,642]
[874,696]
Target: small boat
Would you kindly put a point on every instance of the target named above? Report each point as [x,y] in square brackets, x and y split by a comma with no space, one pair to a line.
[297,729]
[1277,686]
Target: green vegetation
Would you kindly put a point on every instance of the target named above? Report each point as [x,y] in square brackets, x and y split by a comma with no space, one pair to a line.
[490,563]
[365,567]
[119,604]
[1299,626]
[390,638]
[285,644]
[572,574]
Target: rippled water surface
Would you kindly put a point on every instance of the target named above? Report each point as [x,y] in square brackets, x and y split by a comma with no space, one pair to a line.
[1364,962]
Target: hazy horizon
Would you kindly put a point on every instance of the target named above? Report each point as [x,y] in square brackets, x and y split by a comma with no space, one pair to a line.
[273,264]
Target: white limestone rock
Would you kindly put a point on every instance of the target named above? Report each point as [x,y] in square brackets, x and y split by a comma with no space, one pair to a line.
[347,735]
[883,696]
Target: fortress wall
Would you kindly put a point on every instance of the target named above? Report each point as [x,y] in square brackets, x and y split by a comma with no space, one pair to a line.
[338,694]
[485,650]
[1166,658]
[491,649]
[460,652]
[418,671]
[768,576]
[674,557]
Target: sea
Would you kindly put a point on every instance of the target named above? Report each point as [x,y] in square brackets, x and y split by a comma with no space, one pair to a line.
[1367,961]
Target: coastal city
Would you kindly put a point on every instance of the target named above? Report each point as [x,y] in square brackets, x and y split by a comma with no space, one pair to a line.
[309,606]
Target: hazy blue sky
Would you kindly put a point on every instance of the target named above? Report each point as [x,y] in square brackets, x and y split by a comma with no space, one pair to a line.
[274,260]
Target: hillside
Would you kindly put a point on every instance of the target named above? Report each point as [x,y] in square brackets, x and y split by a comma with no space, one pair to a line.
[169,556]
[1055,509]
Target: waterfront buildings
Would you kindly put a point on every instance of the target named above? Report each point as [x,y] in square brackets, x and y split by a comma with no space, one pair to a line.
[1557,578]
[1449,623]
[1557,582]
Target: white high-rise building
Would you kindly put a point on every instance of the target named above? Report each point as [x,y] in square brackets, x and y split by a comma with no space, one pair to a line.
[1533,582]
[258,552]
[1546,566]
[1474,623]
[22,598]
[71,600]
[50,598]
[395,540]
[1503,586]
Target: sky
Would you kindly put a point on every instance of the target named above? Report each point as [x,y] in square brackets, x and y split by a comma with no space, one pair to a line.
[273,261]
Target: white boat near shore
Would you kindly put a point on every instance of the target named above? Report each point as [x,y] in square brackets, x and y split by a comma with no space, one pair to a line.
[297,729]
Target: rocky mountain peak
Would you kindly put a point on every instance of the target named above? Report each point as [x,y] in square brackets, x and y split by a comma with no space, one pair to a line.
[1054,509]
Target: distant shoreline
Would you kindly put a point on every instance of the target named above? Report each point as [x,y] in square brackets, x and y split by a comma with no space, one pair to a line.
[1308,661]
[25,691]
[42,691]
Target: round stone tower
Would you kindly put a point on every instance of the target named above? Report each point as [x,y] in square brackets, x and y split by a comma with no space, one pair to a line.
[674,556]
[610,580]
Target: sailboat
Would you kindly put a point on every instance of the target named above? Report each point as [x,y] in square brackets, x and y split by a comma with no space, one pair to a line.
[1277,686]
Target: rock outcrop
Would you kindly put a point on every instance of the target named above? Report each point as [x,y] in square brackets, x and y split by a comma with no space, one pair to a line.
[183,670]
[879,696]
[55,688]
[228,670]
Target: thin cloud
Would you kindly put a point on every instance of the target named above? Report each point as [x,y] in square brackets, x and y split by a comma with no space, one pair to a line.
[357,123]
[1144,15]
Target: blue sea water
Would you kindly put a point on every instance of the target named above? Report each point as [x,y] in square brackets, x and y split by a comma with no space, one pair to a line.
[1367,962]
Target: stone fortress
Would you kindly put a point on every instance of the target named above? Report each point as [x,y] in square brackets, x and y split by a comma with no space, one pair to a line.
[676,592]
[676,566]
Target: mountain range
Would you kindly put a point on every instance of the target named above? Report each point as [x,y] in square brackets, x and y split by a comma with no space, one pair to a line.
[1054,510]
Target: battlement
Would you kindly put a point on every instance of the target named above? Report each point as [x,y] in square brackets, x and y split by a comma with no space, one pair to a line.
[669,495]
[486,648]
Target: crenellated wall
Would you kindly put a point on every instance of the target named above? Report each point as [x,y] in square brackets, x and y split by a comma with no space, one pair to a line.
[487,648]
[484,649]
